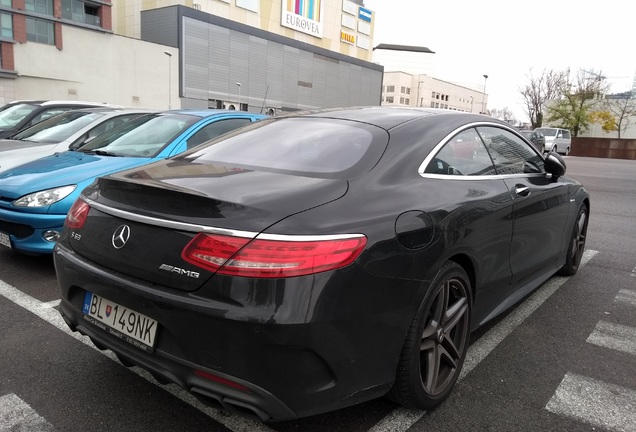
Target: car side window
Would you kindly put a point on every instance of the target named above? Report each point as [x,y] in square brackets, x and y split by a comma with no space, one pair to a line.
[510,154]
[463,154]
[43,115]
[215,129]
[110,124]
[101,128]
[566,134]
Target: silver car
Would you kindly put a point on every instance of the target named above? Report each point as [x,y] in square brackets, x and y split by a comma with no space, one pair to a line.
[557,140]
[69,130]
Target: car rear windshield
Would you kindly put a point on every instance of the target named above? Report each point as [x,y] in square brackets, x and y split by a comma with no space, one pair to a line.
[58,128]
[317,147]
[547,132]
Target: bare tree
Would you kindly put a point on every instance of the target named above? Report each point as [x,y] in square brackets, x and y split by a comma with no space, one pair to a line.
[539,90]
[578,96]
[504,114]
[623,108]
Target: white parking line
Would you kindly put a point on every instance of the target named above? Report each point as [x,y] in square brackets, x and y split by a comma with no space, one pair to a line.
[53,317]
[402,419]
[626,296]
[53,303]
[17,415]
[594,402]
[614,336]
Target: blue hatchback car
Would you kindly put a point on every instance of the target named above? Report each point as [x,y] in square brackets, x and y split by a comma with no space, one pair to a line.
[35,197]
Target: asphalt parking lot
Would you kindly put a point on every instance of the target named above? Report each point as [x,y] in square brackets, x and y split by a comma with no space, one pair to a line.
[562,360]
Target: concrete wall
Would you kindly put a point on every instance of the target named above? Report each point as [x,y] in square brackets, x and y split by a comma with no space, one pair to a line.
[604,148]
[98,67]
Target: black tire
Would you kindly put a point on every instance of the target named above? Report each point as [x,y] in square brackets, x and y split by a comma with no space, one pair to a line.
[437,341]
[577,244]
[555,149]
[567,151]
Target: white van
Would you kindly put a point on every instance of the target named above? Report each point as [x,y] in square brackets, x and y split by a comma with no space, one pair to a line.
[557,140]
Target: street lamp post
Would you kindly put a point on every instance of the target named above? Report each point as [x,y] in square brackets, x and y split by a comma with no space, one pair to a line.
[169,78]
[471,104]
[238,84]
[483,99]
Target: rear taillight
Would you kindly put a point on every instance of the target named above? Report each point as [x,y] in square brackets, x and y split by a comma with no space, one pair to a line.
[272,258]
[77,214]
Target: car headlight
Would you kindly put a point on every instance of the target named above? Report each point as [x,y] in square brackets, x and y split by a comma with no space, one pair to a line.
[45,197]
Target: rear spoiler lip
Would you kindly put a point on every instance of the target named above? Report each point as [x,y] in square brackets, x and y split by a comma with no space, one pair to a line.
[196,228]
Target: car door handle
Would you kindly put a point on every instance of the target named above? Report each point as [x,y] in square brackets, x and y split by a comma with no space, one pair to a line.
[522,190]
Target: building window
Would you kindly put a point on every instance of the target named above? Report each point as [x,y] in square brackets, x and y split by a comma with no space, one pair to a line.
[6,25]
[389,99]
[402,99]
[44,7]
[77,10]
[408,90]
[7,3]
[402,89]
[40,31]
[407,101]
[390,89]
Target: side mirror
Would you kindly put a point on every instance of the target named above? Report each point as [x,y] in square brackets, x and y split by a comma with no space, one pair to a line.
[555,164]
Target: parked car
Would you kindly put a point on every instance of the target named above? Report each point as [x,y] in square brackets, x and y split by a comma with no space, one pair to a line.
[36,196]
[308,262]
[536,138]
[557,140]
[70,129]
[19,116]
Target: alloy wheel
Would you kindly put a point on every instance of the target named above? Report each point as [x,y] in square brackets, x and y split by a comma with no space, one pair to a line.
[444,337]
[578,239]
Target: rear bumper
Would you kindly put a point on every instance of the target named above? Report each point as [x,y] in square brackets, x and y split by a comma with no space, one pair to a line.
[290,368]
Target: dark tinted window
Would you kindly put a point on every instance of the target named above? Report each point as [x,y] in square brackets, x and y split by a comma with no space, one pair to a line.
[311,146]
[215,129]
[464,154]
[510,154]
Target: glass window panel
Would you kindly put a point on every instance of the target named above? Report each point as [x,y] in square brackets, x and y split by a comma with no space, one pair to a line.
[510,154]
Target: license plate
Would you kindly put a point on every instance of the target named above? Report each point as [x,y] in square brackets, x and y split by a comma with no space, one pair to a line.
[5,240]
[135,328]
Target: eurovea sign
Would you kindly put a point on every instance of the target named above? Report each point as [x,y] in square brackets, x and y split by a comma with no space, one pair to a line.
[303,15]
[364,14]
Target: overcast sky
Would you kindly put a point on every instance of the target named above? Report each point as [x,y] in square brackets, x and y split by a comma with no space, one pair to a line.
[505,39]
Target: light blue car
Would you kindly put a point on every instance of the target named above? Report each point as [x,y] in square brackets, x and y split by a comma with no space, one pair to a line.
[35,197]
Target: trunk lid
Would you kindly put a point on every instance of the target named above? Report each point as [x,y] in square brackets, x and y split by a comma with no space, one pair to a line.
[163,195]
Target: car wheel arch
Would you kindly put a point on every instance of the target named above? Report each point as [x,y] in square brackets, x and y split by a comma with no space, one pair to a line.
[468,265]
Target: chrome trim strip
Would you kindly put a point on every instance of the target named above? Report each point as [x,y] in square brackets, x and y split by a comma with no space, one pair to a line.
[478,177]
[183,226]
[443,142]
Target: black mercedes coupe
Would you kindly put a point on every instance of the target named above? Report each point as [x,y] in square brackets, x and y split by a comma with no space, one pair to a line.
[310,262]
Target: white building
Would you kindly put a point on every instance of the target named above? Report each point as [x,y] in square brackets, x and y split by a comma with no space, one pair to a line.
[418,90]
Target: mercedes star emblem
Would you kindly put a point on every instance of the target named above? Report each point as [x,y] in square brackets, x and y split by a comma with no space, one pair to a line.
[121,236]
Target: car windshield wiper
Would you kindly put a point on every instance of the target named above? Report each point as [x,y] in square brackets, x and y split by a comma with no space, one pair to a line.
[102,153]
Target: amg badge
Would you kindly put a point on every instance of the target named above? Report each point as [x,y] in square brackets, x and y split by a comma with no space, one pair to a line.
[173,269]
